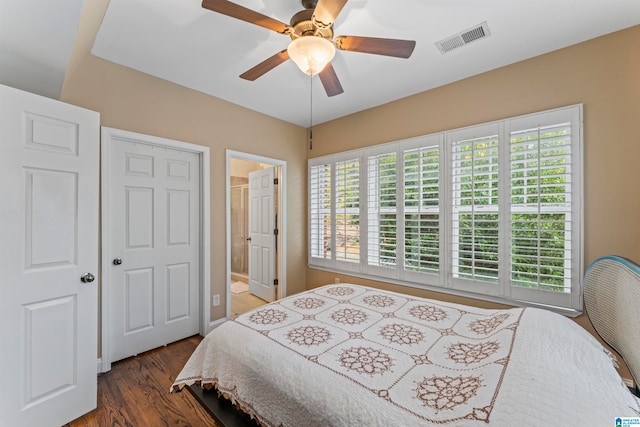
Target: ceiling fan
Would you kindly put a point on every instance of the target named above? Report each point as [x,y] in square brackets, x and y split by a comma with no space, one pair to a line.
[312,46]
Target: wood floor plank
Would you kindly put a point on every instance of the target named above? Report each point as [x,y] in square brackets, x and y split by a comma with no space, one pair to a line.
[135,392]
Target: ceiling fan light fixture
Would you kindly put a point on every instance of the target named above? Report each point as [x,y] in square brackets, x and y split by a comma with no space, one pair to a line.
[311,53]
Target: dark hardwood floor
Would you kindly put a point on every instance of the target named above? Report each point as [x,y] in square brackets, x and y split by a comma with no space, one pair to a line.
[135,393]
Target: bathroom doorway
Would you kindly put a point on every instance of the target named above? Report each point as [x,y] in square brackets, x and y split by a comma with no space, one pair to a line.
[253,278]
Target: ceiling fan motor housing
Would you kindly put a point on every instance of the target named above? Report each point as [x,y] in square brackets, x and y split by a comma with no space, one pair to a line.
[302,25]
[309,4]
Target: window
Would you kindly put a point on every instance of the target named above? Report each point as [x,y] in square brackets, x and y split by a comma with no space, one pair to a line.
[540,207]
[421,209]
[382,210]
[320,212]
[545,248]
[347,211]
[475,222]
[489,211]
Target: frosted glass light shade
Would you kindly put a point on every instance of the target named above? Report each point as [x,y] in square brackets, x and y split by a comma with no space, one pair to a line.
[311,53]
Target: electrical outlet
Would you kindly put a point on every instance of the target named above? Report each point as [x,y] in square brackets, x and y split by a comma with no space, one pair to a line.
[336,280]
[216,300]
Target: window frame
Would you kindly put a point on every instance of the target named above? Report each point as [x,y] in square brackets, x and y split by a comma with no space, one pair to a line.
[569,303]
[572,300]
[452,137]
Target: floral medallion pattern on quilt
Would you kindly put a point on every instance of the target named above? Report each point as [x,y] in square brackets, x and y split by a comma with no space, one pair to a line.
[434,360]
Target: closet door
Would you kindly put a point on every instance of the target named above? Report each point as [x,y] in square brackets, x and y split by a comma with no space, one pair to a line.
[154,223]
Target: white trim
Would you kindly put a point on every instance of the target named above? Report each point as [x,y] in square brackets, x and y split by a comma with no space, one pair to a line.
[282,209]
[205,241]
[215,323]
[451,291]
[205,224]
[311,237]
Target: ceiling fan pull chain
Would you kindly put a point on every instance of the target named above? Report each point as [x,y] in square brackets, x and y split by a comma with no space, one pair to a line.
[311,112]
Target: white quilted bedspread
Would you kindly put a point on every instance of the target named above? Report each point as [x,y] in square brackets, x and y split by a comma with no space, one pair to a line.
[346,355]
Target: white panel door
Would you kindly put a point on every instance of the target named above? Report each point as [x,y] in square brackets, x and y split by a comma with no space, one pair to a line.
[155,245]
[48,240]
[262,246]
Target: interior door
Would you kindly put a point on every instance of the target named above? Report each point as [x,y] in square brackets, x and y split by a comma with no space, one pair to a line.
[154,193]
[262,226]
[48,258]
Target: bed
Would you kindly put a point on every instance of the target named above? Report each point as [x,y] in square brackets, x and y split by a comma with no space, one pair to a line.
[348,355]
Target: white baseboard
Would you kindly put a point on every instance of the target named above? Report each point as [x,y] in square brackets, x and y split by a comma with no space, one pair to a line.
[212,326]
[216,323]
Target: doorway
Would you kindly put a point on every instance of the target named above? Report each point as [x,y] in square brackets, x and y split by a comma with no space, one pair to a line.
[242,253]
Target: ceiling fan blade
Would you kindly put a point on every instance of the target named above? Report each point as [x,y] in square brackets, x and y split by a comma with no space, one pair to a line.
[240,12]
[388,47]
[330,81]
[326,12]
[265,66]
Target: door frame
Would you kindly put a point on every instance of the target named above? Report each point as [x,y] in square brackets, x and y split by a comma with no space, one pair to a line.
[104,363]
[281,263]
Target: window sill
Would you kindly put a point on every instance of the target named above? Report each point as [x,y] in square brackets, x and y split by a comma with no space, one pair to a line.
[568,312]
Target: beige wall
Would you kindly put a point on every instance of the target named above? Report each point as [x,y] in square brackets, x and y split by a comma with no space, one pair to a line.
[130,100]
[242,168]
[603,74]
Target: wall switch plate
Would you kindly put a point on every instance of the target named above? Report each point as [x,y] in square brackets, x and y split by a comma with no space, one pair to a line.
[216,300]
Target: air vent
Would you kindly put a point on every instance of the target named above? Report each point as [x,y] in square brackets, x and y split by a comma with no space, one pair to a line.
[464,38]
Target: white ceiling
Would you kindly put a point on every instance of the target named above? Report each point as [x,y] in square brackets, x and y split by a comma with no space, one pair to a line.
[36,39]
[179,41]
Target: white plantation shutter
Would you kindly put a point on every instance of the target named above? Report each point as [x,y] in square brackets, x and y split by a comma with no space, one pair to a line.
[382,215]
[320,221]
[421,199]
[475,216]
[541,207]
[490,211]
[347,211]
[544,207]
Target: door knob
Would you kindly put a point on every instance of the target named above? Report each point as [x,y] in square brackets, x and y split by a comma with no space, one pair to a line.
[117,261]
[87,278]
